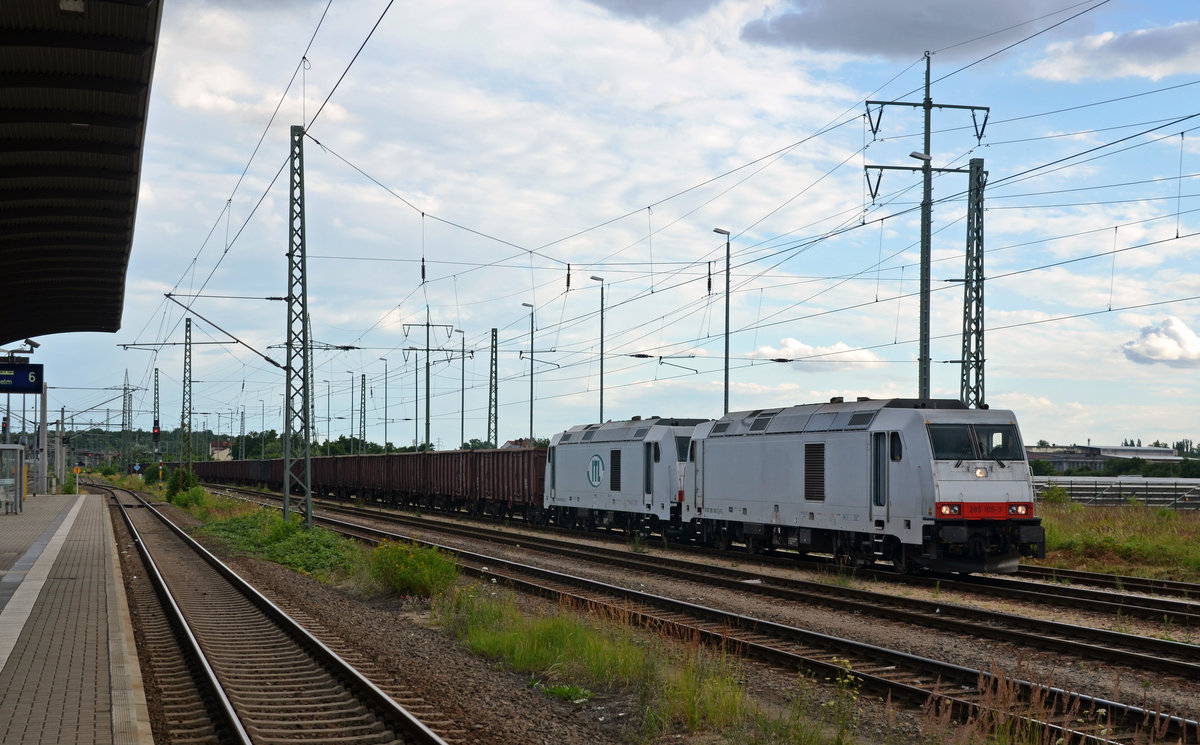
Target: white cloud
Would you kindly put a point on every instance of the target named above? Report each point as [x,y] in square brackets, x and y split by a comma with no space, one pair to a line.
[839,355]
[1170,343]
[1153,53]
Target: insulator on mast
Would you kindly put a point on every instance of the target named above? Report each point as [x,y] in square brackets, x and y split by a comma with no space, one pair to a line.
[422,270]
[710,278]
[568,276]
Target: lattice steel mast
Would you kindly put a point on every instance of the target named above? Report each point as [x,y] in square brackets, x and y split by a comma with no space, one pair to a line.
[971,389]
[155,433]
[185,419]
[126,422]
[296,440]
[493,431]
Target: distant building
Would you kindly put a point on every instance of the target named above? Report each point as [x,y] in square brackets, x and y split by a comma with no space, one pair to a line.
[1067,457]
[220,450]
[523,442]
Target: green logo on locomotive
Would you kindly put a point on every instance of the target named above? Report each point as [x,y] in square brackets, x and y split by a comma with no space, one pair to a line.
[595,472]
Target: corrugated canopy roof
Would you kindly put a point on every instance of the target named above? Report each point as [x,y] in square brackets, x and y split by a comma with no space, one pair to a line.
[74,90]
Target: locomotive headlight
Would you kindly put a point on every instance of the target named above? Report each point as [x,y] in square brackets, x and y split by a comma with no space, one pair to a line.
[949,509]
[1019,510]
[981,473]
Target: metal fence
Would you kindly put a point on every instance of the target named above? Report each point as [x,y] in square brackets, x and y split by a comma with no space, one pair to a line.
[1177,494]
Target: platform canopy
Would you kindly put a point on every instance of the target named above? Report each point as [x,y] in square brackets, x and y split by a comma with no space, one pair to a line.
[74,91]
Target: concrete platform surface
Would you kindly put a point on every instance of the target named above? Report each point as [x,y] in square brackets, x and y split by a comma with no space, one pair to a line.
[68,663]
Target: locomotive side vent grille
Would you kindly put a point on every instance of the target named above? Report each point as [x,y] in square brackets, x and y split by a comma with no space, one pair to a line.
[614,476]
[814,471]
[720,427]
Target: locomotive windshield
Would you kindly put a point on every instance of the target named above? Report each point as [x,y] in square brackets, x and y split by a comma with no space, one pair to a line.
[975,441]
[681,447]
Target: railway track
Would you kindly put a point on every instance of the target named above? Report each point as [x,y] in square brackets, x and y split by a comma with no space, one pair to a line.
[241,669]
[1145,653]
[1122,583]
[1180,613]
[1153,600]
[916,680]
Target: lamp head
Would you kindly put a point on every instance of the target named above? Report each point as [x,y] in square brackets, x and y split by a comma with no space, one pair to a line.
[722,231]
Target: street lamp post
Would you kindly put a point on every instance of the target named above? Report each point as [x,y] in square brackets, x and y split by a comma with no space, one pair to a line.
[385,404]
[601,281]
[263,433]
[725,233]
[528,305]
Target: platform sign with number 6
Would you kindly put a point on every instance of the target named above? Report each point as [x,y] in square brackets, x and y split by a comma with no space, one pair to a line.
[18,378]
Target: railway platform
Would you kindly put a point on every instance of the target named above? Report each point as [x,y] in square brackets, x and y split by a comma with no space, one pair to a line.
[68,663]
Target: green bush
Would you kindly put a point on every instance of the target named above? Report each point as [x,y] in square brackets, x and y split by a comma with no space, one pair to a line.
[1055,494]
[193,497]
[150,475]
[409,569]
[180,480]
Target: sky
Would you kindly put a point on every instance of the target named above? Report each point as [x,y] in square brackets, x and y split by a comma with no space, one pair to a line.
[462,159]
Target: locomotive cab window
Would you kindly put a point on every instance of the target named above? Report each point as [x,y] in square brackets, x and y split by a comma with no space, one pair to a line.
[682,445]
[896,448]
[964,441]
[999,441]
[951,441]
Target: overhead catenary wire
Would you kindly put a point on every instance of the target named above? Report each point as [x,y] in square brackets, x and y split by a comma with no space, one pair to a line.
[633,273]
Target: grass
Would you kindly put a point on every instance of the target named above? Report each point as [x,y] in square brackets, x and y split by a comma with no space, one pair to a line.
[678,685]
[1133,540]
[392,567]
[263,533]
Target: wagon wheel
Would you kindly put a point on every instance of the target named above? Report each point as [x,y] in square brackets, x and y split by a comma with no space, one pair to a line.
[721,540]
[901,556]
[843,554]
